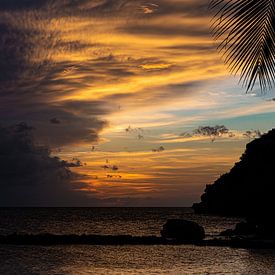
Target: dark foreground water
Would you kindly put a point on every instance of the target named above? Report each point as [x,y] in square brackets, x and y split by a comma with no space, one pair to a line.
[84,259]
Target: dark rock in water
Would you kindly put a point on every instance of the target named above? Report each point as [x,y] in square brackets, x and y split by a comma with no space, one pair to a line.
[227,233]
[245,228]
[248,189]
[182,230]
[241,229]
[266,230]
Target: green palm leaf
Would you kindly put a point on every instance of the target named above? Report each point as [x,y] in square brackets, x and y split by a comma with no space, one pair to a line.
[245,30]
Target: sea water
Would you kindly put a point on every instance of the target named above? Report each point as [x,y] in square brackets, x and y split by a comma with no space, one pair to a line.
[138,259]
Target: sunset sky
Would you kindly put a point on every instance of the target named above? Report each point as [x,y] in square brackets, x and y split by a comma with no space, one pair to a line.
[118,84]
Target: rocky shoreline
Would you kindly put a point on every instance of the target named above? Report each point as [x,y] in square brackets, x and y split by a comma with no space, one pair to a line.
[174,232]
[51,239]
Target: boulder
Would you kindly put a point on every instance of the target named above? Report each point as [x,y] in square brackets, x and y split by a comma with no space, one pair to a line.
[180,229]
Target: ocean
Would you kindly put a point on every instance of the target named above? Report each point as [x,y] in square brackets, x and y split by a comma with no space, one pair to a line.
[138,259]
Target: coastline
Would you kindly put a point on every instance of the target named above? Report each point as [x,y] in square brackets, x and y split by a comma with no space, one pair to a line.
[53,239]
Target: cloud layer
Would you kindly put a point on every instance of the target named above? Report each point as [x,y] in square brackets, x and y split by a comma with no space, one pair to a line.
[80,72]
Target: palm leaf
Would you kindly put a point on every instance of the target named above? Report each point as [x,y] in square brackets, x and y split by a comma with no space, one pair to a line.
[245,30]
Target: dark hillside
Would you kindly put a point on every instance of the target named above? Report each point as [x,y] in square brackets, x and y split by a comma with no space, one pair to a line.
[248,188]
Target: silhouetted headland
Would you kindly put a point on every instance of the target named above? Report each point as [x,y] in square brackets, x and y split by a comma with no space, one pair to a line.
[248,189]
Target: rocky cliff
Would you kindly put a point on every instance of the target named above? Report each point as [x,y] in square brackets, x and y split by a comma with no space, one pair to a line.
[248,188]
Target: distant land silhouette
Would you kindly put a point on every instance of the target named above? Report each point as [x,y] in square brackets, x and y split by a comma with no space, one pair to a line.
[248,189]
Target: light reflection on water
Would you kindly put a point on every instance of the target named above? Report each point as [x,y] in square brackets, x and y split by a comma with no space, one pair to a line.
[134,260]
[81,259]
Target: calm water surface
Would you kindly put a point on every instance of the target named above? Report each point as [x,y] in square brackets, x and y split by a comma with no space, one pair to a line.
[133,221]
[81,259]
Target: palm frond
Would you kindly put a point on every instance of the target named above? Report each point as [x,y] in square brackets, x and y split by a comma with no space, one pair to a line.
[245,30]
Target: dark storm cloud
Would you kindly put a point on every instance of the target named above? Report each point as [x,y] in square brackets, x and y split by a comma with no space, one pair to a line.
[28,174]
[30,90]
[26,59]
[21,4]
[68,7]
[30,93]
[31,83]
[75,125]
[15,49]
